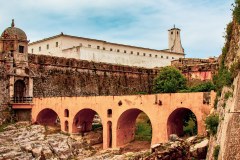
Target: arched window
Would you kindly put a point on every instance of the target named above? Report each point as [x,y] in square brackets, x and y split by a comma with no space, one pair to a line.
[66,126]
[19,88]
[109,112]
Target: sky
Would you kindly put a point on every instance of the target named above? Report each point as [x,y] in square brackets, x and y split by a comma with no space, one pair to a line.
[141,23]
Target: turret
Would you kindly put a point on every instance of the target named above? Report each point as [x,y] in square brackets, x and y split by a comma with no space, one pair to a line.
[174,40]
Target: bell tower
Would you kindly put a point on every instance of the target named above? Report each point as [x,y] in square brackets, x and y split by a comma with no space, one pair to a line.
[174,40]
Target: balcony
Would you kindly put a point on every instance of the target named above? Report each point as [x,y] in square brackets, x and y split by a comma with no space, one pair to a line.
[21,102]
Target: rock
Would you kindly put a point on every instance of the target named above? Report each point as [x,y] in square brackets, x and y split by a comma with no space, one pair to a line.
[173,137]
[37,152]
[199,150]
[10,127]
[191,139]
[47,153]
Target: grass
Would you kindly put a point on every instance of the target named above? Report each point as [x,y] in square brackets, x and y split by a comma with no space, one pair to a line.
[143,128]
[4,126]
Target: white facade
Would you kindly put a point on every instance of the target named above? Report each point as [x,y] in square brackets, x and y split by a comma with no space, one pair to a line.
[101,51]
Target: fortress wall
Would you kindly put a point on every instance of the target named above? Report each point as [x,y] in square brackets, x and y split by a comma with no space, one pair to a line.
[4,96]
[56,76]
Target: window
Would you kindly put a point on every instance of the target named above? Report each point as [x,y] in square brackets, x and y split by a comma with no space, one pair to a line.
[39,48]
[32,50]
[155,56]
[89,45]
[125,51]
[172,57]
[103,48]
[98,47]
[150,55]
[47,46]
[111,49]
[66,113]
[56,44]
[66,126]
[171,32]
[161,56]
[131,52]
[118,50]
[144,54]
[138,53]
[21,49]
[109,112]
[167,57]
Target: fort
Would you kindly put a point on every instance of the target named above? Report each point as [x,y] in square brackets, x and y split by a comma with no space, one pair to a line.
[44,88]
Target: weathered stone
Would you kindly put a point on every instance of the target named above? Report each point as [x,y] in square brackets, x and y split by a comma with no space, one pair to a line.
[173,137]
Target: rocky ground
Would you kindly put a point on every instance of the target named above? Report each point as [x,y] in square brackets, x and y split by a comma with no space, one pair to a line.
[22,141]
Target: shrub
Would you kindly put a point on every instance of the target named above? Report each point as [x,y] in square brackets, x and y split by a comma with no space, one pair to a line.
[143,131]
[212,123]
[236,11]
[169,80]
[223,78]
[227,95]
[203,87]
[216,152]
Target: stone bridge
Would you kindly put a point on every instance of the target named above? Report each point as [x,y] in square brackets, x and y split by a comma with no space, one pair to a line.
[118,114]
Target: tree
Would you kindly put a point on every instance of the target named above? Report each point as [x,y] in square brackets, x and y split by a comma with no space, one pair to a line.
[169,80]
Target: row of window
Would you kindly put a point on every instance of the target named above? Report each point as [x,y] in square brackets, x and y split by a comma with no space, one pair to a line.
[47,47]
[144,54]
[98,47]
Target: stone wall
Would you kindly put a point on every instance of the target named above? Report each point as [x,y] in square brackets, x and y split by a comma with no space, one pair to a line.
[4,97]
[56,76]
[197,69]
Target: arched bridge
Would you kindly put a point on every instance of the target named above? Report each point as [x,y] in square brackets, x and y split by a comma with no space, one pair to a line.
[118,114]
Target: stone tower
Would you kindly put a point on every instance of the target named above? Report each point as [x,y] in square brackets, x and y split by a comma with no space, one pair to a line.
[14,58]
[174,40]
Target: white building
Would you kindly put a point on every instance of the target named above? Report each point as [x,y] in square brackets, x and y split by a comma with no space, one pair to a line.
[101,51]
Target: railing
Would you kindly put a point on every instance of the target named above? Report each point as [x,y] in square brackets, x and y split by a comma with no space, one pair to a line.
[21,99]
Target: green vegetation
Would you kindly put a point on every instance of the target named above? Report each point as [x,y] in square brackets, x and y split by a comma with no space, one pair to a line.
[216,152]
[4,126]
[191,128]
[223,78]
[212,123]
[143,128]
[96,126]
[236,11]
[203,87]
[215,102]
[227,95]
[169,80]
[189,124]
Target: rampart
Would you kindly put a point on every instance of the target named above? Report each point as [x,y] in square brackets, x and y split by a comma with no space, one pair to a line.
[62,77]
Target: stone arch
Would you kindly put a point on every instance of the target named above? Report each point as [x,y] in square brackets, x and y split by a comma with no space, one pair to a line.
[48,117]
[126,126]
[175,121]
[82,121]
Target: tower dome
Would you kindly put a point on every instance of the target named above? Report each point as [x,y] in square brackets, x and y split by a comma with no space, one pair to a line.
[14,33]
